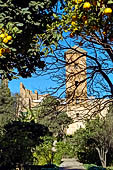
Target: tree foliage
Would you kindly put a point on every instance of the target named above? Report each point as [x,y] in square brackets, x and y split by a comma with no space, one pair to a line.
[52,151]
[18,141]
[44,152]
[50,114]
[7,105]
[95,139]
[86,24]
[23,22]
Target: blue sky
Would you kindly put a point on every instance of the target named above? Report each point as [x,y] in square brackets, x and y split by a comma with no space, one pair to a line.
[39,83]
[43,83]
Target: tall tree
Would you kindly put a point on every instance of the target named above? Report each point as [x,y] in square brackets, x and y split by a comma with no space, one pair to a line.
[7,104]
[97,135]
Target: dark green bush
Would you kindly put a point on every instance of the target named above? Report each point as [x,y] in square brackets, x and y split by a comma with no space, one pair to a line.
[109,168]
[50,167]
[89,156]
[93,167]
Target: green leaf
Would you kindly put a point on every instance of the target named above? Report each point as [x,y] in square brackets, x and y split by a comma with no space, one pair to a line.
[19,24]
[37,23]
[1,71]
[1,26]
[110,2]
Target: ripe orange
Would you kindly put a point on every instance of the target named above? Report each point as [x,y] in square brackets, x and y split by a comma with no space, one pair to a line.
[9,37]
[73,23]
[104,33]
[80,44]
[107,11]
[86,5]
[75,29]
[65,30]
[5,40]
[71,35]
[2,35]
[2,50]
[86,22]
[74,17]
[78,1]
[76,6]
[84,18]
[3,30]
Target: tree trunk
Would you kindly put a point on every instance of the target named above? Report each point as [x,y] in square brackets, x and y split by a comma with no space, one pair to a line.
[102,152]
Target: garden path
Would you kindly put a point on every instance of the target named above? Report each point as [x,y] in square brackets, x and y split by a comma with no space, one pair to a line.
[71,164]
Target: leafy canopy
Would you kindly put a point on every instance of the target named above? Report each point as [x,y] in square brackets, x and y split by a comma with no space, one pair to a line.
[20,24]
[18,141]
[96,136]
[49,113]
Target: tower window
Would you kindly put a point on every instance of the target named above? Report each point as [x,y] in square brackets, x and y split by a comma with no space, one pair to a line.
[76,83]
[77,114]
[75,65]
[77,101]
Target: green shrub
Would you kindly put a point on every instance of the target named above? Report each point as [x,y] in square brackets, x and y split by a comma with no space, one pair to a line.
[44,153]
[109,168]
[87,166]
[50,167]
[93,167]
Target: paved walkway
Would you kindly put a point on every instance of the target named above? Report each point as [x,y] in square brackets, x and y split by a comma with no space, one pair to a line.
[71,164]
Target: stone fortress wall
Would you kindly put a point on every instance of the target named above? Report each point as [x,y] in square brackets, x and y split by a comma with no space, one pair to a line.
[28,99]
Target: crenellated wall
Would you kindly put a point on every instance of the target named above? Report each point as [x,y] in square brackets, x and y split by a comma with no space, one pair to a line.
[28,99]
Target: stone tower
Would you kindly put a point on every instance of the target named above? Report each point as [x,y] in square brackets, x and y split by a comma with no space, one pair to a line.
[76,85]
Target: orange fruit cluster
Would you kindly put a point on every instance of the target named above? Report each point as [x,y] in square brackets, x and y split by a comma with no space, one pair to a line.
[4,50]
[78,1]
[86,6]
[5,37]
[107,11]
